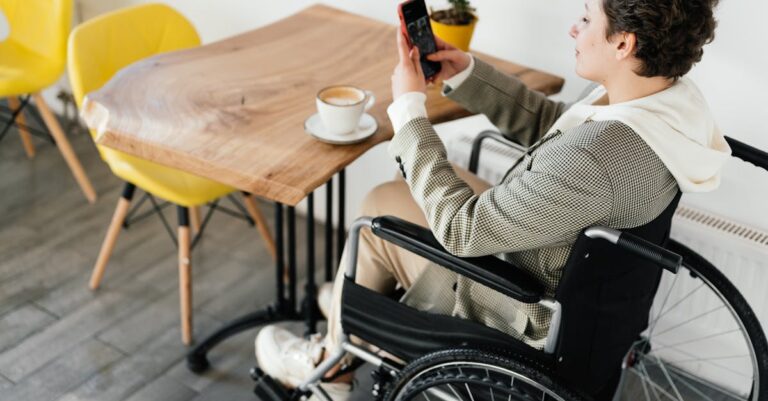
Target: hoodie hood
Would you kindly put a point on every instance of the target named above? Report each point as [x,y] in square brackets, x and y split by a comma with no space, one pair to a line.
[675,123]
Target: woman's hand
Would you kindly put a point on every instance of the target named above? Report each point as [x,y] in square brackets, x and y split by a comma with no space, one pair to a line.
[407,76]
[452,60]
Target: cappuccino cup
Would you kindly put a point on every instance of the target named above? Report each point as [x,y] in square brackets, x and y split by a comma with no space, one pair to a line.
[341,106]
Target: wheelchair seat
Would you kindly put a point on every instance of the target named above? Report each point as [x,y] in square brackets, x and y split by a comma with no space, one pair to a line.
[605,296]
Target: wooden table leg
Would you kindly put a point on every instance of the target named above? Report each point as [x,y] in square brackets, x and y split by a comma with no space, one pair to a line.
[26,139]
[185,276]
[66,149]
[261,223]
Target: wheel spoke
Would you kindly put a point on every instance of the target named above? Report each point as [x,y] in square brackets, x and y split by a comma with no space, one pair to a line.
[453,390]
[691,386]
[642,381]
[652,325]
[687,342]
[655,388]
[488,375]
[669,379]
[471,397]
[662,314]
[694,358]
[699,316]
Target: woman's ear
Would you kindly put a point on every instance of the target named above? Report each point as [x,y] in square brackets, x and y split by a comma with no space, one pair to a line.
[625,43]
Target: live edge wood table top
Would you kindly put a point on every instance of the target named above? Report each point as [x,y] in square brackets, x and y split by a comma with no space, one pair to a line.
[234,110]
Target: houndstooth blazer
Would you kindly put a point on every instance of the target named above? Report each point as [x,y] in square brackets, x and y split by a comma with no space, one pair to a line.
[598,173]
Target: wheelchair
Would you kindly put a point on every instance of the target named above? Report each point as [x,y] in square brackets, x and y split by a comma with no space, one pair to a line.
[622,327]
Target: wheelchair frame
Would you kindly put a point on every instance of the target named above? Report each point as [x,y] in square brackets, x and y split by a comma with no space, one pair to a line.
[494,273]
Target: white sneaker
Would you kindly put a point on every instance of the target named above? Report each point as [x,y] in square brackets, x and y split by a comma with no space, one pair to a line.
[336,391]
[288,358]
[324,297]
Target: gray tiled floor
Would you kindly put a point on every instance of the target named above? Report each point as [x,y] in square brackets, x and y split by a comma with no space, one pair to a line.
[61,341]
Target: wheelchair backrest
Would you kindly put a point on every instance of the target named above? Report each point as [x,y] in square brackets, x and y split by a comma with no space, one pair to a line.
[606,296]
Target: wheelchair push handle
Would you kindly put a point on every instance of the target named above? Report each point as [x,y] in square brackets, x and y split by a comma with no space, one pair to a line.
[748,153]
[632,243]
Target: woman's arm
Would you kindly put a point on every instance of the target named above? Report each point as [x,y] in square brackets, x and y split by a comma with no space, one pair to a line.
[547,205]
[522,114]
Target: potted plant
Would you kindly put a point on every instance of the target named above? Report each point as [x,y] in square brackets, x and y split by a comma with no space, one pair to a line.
[455,24]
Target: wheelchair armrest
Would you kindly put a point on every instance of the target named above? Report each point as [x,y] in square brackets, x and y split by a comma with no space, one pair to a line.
[490,271]
[474,155]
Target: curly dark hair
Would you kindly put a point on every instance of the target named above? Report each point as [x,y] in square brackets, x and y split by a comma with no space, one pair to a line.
[670,33]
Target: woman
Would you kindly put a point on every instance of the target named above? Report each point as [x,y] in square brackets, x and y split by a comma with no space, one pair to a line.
[617,158]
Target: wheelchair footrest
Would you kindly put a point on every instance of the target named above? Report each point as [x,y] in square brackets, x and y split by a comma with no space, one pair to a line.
[267,388]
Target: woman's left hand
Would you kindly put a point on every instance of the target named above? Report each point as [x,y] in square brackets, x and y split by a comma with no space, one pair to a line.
[407,76]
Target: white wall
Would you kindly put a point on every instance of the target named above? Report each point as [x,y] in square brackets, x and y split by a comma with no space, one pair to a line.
[732,74]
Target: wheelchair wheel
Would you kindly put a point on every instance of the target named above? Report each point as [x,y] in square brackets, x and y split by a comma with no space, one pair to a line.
[703,341]
[473,375]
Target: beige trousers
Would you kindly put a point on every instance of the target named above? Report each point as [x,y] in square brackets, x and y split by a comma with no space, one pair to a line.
[380,264]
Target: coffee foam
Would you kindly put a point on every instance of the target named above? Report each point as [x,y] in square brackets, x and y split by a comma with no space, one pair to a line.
[341,96]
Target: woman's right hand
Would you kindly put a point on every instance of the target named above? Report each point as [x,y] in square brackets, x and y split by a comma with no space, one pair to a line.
[452,60]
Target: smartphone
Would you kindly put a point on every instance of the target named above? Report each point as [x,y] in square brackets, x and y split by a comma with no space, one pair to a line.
[414,22]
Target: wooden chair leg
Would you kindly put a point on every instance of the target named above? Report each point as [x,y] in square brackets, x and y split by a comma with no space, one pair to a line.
[65,148]
[185,276]
[112,232]
[194,218]
[261,223]
[26,139]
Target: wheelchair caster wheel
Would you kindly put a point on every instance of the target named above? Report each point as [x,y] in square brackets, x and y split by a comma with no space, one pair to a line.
[256,373]
[197,363]
[267,388]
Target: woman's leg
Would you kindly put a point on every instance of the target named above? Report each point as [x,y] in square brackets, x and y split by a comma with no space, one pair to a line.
[380,264]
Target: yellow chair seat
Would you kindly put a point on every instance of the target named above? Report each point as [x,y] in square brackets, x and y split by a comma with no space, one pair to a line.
[102,46]
[173,185]
[23,71]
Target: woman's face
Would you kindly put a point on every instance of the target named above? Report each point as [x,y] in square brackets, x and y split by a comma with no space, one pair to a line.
[595,56]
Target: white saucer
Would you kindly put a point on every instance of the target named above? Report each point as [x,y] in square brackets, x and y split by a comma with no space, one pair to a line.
[367,127]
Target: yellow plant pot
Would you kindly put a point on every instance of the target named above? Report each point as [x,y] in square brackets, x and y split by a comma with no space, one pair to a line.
[456,35]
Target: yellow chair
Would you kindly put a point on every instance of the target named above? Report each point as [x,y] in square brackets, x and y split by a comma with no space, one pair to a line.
[32,58]
[99,48]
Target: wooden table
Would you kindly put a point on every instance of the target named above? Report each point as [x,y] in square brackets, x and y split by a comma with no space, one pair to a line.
[233,110]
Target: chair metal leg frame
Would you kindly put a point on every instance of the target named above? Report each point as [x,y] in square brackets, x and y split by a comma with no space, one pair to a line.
[16,111]
[244,214]
[7,112]
[284,307]
[129,219]
[158,210]
[21,124]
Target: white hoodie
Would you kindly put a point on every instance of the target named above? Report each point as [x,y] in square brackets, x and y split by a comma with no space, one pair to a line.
[675,123]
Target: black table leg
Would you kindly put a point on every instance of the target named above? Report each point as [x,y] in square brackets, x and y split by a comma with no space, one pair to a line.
[310,299]
[329,230]
[341,235]
[197,359]
[292,258]
[284,308]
